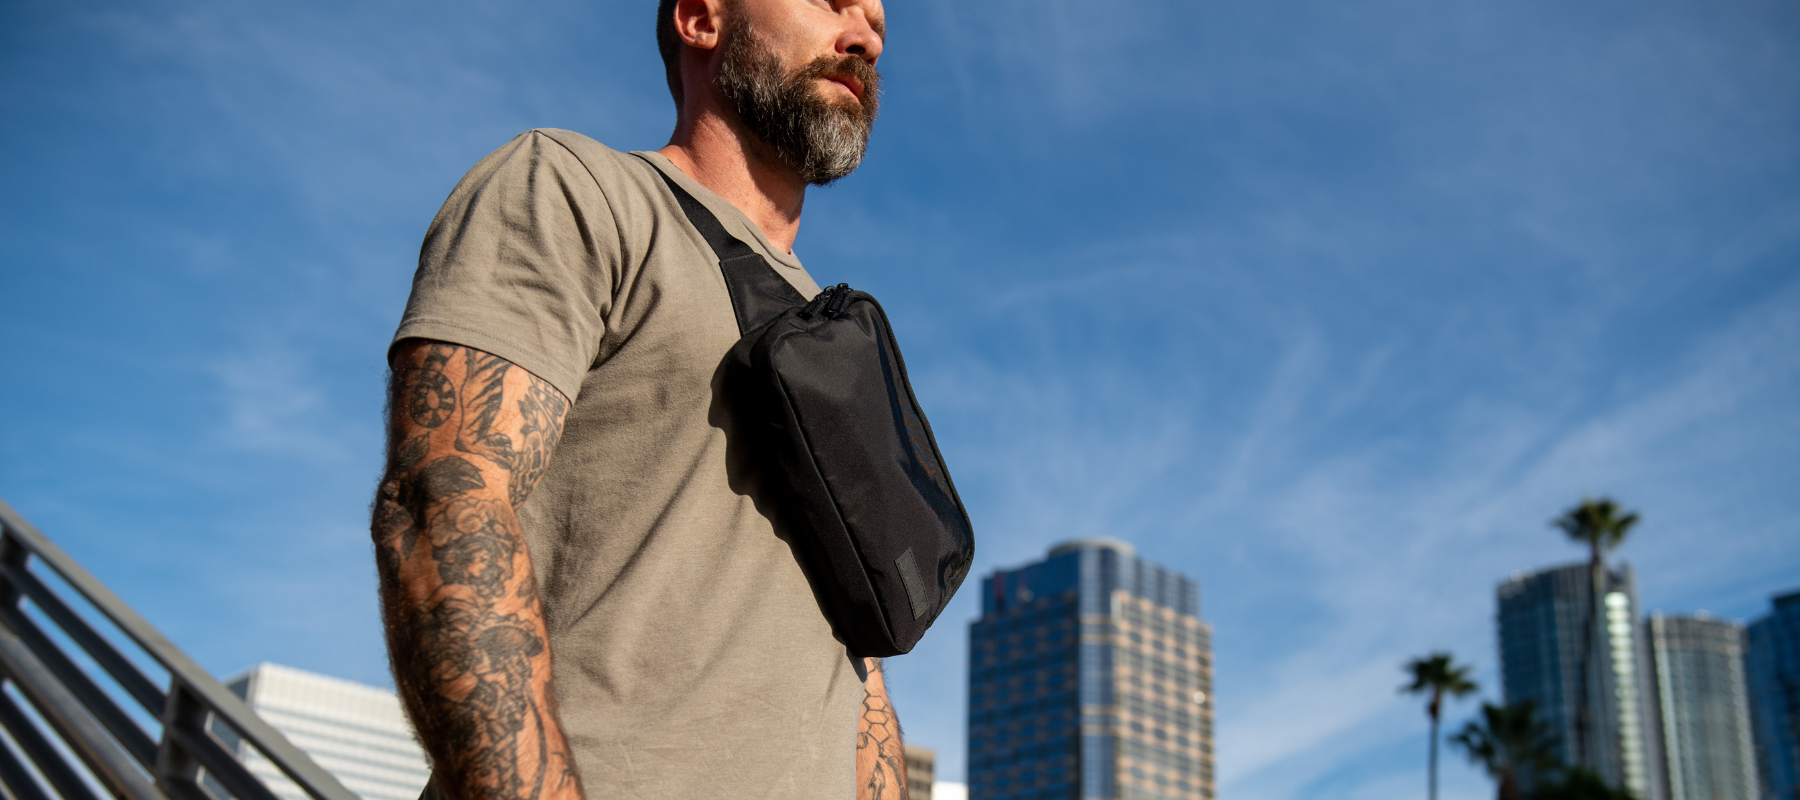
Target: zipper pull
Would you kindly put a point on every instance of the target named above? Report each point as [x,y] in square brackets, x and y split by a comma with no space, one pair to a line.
[812,307]
[840,297]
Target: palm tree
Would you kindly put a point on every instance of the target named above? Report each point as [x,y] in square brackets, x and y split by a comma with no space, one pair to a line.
[1601,525]
[1580,784]
[1507,741]
[1437,675]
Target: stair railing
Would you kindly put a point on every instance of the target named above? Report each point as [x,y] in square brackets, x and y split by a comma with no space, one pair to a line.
[100,744]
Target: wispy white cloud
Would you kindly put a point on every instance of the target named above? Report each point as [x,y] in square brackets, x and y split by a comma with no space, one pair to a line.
[275,405]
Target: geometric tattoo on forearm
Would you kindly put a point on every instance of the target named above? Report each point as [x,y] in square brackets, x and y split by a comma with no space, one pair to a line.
[879,751]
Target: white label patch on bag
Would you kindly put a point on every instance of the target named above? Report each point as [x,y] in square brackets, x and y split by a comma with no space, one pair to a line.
[915,588]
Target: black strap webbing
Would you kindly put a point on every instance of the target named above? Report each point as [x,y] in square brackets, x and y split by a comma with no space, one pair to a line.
[758,292]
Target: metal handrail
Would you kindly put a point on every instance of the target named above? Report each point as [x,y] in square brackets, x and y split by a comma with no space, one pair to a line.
[115,750]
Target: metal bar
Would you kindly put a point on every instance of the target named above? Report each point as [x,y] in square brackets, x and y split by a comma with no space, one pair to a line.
[228,707]
[223,766]
[67,783]
[116,664]
[16,782]
[97,701]
[84,734]
[20,783]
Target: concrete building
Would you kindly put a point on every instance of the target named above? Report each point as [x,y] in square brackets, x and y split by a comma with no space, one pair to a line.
[1090,676]
[1703,707]
[1773,673]
[921,768]
[356,732]
[1545,620]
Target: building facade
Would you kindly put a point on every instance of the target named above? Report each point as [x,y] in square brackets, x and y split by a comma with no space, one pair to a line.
[1090,676]
[921,771]
[1773,672]
[1703,707]
[356,732]
[1550,627]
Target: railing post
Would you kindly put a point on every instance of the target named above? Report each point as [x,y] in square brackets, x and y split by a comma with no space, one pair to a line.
[14,553]
[177,771]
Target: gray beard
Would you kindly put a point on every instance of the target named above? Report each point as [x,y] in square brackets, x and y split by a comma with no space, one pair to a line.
[819,140]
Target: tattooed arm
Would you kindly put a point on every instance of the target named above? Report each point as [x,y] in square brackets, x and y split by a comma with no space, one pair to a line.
[469,436]
[880,760]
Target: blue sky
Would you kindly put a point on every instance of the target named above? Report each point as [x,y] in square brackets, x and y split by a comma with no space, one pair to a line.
[1332,305]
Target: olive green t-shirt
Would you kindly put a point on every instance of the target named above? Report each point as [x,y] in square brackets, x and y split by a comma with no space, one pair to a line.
[691,659]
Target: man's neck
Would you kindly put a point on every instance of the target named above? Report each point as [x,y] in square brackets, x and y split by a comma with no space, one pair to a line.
[726,159]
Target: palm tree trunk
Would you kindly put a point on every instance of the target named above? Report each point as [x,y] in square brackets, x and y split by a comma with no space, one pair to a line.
[1580,745]
[1509,787]
[1434,748]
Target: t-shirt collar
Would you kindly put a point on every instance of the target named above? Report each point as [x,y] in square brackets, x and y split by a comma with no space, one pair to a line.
[733,218]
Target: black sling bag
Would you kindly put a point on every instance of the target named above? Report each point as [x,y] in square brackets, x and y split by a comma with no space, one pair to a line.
[842,447]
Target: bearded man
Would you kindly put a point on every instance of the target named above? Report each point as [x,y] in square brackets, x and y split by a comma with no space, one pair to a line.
[579,584]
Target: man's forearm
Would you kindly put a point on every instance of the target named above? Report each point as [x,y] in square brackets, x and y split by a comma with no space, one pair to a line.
[466,630]
[880,756]
[472,668]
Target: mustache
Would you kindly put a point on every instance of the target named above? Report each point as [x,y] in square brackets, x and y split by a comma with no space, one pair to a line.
[852,67]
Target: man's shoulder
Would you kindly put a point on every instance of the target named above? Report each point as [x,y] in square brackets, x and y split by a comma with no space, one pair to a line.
[557,165]
[578,144]
[608,166]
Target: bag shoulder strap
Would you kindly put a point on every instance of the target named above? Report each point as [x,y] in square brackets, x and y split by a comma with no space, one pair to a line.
[758,292]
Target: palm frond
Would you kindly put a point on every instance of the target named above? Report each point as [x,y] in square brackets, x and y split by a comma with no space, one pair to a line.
[1601,524]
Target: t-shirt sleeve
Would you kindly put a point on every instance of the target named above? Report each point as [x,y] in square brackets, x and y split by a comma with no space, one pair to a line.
[521,262]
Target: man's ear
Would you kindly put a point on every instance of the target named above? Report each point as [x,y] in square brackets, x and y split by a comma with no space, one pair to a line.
[700,23]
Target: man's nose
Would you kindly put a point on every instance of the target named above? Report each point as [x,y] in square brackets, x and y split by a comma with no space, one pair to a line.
[859,37]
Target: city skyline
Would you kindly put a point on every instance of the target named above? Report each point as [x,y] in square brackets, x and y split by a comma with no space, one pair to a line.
[1698,723]
[1331,305]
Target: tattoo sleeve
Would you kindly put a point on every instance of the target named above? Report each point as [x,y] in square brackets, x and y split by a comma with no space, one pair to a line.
[880,757]
[469,436]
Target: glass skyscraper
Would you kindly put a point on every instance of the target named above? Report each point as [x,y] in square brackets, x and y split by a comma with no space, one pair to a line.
[1773,667]
[1544,620]
[1703,706]
[1090,676]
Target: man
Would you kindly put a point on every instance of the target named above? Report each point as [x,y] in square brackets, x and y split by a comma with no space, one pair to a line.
[566,494]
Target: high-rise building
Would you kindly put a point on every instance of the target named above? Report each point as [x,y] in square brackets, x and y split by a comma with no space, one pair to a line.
[1703,707]
[356,732]
[1549,627]
[1773,667]
[1090,677]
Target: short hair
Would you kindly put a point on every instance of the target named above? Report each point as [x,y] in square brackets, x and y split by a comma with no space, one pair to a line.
[669,43]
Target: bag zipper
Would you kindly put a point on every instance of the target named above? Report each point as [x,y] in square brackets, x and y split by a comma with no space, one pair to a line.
[830,301]
[840,297]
